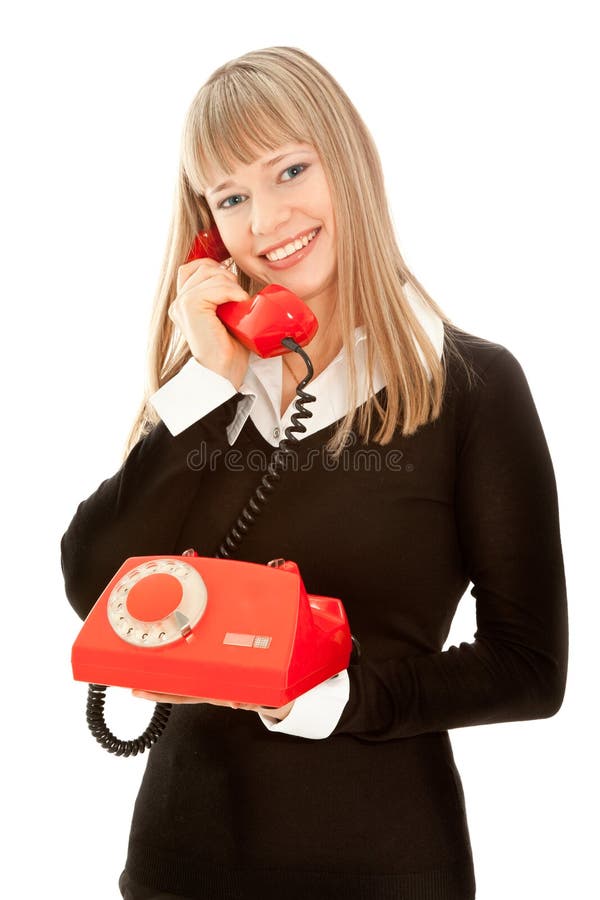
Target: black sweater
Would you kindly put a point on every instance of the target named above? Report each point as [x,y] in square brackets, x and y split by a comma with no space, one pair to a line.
[230,809]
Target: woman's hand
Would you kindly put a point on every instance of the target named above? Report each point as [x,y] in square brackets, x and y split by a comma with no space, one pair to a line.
[280,713]
[202,285]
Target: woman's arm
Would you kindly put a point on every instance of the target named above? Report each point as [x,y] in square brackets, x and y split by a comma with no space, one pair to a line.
[140,509]
[508,527]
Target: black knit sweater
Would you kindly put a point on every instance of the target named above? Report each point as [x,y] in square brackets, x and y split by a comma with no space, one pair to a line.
[376,810]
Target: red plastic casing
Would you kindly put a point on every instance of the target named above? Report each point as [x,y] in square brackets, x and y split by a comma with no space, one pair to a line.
[309,636]
[260,322]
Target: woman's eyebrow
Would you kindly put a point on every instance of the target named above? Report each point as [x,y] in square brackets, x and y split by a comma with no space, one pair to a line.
[265,165]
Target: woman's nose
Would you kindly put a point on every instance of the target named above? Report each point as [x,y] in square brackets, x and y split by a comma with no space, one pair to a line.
[268,215]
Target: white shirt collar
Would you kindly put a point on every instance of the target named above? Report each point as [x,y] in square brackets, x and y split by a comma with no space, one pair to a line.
[263,384]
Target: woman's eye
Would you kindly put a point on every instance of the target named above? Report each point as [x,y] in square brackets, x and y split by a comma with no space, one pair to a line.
[224,204]
[221,205]
[297,166]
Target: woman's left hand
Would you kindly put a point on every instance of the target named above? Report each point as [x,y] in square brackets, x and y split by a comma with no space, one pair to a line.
[280,713]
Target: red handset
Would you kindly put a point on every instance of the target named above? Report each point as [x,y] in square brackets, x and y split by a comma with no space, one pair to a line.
[262,322]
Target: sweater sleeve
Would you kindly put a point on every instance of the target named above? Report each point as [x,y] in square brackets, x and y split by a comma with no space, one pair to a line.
[507,522]
[139,511]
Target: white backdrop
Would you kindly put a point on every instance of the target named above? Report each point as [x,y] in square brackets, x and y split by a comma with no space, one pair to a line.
[484,118]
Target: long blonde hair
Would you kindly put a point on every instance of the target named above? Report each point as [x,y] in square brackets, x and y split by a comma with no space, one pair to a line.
[263,99]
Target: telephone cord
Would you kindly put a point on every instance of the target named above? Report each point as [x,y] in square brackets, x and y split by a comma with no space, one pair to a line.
[268,483]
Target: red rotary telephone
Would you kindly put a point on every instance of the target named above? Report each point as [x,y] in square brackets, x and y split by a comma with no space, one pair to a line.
[216,627]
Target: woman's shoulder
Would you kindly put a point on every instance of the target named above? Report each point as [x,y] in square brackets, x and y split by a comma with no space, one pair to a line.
[479,351]
[464,350]
[479,368]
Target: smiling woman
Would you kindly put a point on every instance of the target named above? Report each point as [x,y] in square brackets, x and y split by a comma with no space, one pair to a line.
[351,790]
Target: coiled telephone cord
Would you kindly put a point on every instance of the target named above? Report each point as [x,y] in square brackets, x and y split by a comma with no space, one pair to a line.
[247,517]
[268,483]
[105,737]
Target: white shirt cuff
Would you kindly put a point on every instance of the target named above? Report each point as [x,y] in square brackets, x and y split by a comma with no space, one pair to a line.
[315,713]
[244,408]
[190,395]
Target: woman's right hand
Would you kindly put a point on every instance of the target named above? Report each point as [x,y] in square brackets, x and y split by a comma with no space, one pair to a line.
[202,285]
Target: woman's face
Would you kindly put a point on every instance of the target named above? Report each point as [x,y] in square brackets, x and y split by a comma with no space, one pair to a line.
[281,196]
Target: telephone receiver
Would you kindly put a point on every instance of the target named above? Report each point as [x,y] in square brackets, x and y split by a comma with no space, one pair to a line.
[263,321]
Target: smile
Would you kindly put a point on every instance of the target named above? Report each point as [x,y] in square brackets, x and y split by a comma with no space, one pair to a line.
[290,249]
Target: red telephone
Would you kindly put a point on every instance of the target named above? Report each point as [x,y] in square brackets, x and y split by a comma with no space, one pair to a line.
[204,627]
[261,322]
[217,627]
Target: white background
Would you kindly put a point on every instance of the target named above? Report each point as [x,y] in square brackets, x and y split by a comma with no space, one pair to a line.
[485,116]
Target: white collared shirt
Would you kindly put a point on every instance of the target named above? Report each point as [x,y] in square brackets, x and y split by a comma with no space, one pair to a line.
[196,390]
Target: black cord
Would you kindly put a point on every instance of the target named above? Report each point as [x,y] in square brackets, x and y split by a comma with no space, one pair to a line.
[105,737]
[247,517]
[252,509]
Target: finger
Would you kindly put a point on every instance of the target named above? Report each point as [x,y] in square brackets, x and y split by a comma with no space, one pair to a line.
[178,698]
[204,266]
[166,698]
[187,269]
[213,284]
[213,290]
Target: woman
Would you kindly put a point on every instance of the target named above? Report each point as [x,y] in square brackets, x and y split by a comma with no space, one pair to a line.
[351,789]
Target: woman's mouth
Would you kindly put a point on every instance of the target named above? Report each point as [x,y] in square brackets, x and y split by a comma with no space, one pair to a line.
[288,256]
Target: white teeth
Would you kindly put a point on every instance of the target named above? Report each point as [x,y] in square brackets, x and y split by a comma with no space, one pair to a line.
[298,244]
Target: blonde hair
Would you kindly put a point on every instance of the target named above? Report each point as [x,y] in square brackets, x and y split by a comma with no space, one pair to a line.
[287,96]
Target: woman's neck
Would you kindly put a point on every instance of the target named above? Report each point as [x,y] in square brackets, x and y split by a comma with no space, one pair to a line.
[322,350]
